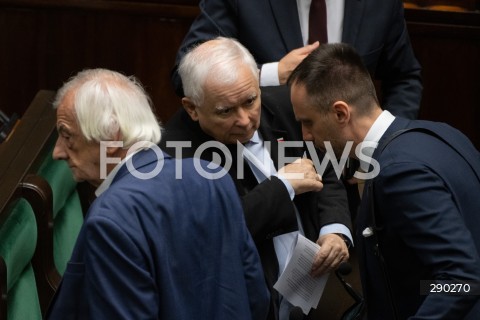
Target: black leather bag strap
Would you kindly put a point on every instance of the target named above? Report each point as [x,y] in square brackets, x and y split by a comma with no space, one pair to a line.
[375,228]
[445,139]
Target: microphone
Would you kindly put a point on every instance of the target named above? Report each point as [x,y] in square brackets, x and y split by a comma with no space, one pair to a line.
[296,313]
[343,269]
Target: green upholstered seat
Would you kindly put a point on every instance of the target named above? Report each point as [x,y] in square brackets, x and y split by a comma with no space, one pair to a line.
[67,209]
[18,239]
[67,224]
[23,299]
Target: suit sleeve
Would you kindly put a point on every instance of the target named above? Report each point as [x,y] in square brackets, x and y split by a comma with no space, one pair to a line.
[216,18]
[331,203]
[268,210]
[258,293]
[421,210]
[119,286]
[399,70]
[272,200]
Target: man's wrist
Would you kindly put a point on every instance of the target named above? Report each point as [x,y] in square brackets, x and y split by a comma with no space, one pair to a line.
[346,239]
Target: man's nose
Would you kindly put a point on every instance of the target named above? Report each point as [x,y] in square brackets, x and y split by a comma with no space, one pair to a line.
[307,135]
[243,117]
[59,151]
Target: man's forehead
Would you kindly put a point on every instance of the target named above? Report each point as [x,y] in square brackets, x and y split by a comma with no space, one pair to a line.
[230,95]
[66,113]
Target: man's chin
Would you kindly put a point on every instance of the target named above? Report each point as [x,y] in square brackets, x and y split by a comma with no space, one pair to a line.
[320,147]
[78,179]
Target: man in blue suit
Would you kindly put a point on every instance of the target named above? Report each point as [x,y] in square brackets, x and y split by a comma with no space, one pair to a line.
[165,239]
[418,222]
[276,32]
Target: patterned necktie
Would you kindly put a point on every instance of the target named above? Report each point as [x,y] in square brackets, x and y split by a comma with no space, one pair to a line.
[317,22]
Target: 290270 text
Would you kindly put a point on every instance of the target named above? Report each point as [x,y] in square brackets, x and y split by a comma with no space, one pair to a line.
[449,287]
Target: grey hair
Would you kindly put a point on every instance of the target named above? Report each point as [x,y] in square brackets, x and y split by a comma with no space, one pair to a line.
[107,102]
[218,60]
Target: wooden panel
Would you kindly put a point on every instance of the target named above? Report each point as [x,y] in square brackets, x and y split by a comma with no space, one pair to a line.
[25,145]
[21,156]
[447,44]
[446,5]
[44,42]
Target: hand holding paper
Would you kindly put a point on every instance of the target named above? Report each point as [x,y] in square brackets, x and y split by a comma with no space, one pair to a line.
[296,284]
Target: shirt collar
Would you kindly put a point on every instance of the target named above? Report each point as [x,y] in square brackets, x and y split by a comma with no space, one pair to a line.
[255,138]
[377,130]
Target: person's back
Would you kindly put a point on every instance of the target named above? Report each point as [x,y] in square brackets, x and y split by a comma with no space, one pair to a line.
[436,166]
[183,238]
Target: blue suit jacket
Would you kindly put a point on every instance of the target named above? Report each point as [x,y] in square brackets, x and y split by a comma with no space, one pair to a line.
[270,29]
[427,202]
[164,248]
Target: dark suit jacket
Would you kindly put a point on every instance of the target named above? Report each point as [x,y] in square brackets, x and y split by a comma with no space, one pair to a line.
[163,248]
[268,209]
[270,29]
[427,201]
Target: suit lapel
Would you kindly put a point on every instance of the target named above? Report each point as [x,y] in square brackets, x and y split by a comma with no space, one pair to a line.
[352,18]
[287,23]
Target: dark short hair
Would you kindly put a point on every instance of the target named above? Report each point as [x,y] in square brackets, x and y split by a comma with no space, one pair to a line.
[334,72]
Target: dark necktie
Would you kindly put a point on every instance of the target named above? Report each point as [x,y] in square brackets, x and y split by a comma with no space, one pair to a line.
[317,22]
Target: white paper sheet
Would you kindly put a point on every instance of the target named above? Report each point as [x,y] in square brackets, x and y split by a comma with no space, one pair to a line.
[296,284]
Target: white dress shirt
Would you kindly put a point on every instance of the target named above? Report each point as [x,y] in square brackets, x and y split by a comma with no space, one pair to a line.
[374,134]
[335,10]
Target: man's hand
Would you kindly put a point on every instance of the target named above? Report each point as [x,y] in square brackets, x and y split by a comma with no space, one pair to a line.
[292,60]
[302,176]
[333,251]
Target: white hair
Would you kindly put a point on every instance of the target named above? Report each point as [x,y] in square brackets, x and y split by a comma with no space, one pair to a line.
[219,60]
[107,103]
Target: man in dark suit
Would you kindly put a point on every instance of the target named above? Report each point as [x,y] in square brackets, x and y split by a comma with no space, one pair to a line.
[276,33]
[222,110]
[157,243]
[418,222]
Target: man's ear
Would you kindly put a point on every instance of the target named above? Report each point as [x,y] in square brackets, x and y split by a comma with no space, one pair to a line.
[341,112]
[115,151]
[190,108]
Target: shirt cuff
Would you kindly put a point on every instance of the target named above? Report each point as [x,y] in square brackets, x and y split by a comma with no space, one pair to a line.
[289,187]
[269,75]
[337,228]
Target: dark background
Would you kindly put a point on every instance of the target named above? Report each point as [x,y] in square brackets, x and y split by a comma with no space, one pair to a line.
[44,42]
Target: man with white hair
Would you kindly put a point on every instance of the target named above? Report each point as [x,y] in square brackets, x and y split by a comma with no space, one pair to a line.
[156,243]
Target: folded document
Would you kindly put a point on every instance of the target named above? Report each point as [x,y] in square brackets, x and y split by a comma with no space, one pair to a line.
[295,283]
